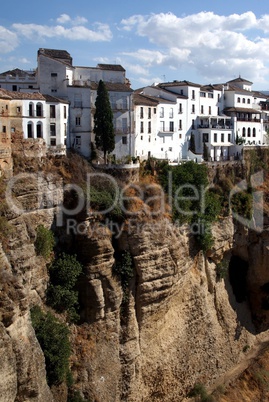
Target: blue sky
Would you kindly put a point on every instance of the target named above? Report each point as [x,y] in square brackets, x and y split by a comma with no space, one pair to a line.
[207,41]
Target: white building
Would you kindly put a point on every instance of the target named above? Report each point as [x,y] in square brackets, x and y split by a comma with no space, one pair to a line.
[218,117]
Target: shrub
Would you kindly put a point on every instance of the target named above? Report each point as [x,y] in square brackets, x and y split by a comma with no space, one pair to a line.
[61,295]
[53,337]
[124,269]
[200,394]
[44,242]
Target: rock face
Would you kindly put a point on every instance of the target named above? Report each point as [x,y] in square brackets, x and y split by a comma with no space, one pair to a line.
[179,323]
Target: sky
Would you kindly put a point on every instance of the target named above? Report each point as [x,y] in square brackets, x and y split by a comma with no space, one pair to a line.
[203,41]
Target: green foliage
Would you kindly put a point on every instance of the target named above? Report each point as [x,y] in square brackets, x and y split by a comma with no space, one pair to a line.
[44,241]
[53,337]
[199,392]
[241,204]
[222,269]
[105,201]
[103,121]
[124,269]
[61,295]
[192,201]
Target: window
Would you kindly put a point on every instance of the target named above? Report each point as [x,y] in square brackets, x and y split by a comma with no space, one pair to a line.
[18,109]
[149,138]
[218,97]
[13,129]
[215,137]
[210,95]
[53,142]
[193,124]
[52,111]
[193,108]
[29,130]
[244,100]
[180,136]
[149,127]
[193,94]
[14,87]
[64,112]
[65,129]
[162,112]
[229,137]
[54,90]
[254,132]
[141,127]
[30,109]
[171,126]
[30,86]
[4,129]
[209,109]
[52,129]
[248,101]
[124,140]
[78,121]
[54,74]
[78,140]
[249,132]
[170,149]
[202,109]
[244,132]
[205,137]
[180,125]
[238,100]
[141,137]
[141,113]
[149,113]
[222,137]
[181,92]
[155,110]
[39,130]
[171,113]
[39,110]
[180,108]
[161,125]
[202,94]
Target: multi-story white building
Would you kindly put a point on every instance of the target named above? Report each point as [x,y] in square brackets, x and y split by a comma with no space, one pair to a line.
[33,116]
[218,117]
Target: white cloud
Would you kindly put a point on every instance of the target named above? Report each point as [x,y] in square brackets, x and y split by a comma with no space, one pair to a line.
[8,40]
[101,33]
[215,46]
[63,19]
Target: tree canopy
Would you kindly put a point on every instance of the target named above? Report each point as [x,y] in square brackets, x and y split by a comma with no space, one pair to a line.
[103,121]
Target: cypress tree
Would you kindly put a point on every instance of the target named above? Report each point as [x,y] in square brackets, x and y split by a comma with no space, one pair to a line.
[103,121]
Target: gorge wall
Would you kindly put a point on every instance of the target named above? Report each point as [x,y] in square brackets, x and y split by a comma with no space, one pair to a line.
[180,324]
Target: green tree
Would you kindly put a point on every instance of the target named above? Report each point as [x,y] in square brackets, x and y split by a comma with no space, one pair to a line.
[53,337]
[61,293]
[103,121]
[44,241]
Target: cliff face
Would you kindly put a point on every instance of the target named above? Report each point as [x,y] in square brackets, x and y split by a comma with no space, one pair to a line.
[180,324]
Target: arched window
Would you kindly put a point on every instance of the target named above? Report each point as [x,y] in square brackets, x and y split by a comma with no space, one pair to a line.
[244,100]
[248,101]
[249,132]
[30,131]
[31,109]
[244,131]
[238,100]
[39,109]
[39,133]
[254,132]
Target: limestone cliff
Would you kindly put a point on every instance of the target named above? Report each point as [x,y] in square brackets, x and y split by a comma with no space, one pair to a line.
[179,324]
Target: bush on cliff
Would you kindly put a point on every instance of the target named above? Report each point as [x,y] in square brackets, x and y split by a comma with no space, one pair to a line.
[61,293]
[53,337]
[44,242]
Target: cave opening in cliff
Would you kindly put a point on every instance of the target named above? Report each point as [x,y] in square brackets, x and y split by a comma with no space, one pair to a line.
[238,269]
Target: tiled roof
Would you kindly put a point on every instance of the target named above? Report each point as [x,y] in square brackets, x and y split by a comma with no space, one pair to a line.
[110,86]
[178,83]
[241,110]
[57,54]
[112,67]
[50,98]
[239,79]
[4,93]
[145,100]
[19,72]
